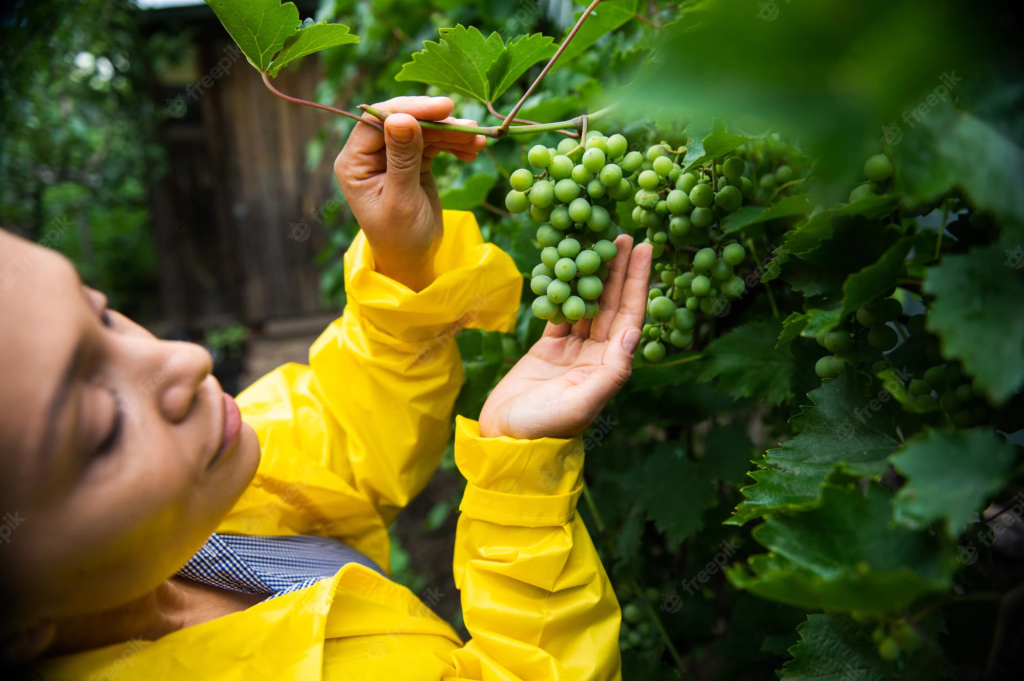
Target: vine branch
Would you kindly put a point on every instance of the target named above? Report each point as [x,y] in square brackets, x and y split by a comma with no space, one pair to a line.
[295,100]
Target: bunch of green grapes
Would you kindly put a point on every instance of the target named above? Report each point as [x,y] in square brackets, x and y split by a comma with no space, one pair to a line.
[680,211]
[892,634]
[873,331]
[575,197]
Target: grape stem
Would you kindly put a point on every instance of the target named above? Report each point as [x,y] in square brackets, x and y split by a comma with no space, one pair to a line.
[767,285]
[295,100]
[495,131]
[505,125]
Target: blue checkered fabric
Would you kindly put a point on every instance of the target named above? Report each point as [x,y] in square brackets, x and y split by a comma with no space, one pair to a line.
[272,566]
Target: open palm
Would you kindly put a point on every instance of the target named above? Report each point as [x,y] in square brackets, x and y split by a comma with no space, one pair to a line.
[572,372]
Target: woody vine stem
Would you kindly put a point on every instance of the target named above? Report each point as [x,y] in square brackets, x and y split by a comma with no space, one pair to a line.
[495,131]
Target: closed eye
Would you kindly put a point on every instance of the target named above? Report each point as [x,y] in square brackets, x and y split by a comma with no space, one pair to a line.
[114,433]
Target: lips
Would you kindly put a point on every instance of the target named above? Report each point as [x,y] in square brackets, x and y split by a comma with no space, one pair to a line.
[232,427]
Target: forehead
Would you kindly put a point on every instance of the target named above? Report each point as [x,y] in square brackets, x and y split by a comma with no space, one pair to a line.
[42,313]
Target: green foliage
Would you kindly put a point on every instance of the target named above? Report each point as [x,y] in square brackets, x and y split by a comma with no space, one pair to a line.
[746,363]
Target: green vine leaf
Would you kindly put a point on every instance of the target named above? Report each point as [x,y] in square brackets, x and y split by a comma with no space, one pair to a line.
[790,206]
[809,324]
[716,145]
[844,555]
[745,362]
[260,27]
[310,40]
[951,476]
[465,61]
[976,314]
[876,279]
[609,16]
[840,430]
[471,194]
[676,493]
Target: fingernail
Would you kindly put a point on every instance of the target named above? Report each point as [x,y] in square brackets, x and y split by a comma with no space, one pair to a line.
[631,341]
[401,135]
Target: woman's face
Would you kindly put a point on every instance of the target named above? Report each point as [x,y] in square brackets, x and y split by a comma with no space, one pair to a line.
[119,452]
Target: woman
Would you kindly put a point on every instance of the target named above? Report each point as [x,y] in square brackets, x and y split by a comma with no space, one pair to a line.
[168,531]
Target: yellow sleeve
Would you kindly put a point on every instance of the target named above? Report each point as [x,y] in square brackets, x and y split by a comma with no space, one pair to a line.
[535,596]
[347,442]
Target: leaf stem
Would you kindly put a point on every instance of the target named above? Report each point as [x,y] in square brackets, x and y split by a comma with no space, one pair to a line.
[565,43]
[767,285]
[296,100]
[495,131]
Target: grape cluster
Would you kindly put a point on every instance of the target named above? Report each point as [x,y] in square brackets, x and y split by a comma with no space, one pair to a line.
[679,210]
[635,632]
[575,198]
[878,335]
[877,169]
[892,634]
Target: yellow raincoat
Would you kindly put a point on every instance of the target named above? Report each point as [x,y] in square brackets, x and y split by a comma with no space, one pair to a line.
[346,444]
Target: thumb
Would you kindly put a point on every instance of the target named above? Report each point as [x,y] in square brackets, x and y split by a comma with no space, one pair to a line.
[404,141]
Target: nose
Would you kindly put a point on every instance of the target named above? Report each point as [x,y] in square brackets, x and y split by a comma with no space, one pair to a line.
[179,370]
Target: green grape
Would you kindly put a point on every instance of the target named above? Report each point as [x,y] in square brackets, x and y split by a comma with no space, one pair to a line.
[521,180]
[783,174]
[915,325]
[559,291]
[733,168]
[678,202]
[566,190]
[936,377]
[539,156]
[704,259]
[680,339]
[878,168]
[517,202]
[561,167]
[668,276]
[707,305]
[654,352]
[723,182]
[587,262]
[559,318]
[606,249]
[574,308]
[824,369]
[603,272]
[616,146]
[594,159]
[679,225]
[622,192]
[580,174]
[889,649]
[701,196]
[542,270]
[542,194]
[610,175]
[868,317]
[684,280]
[590,287]
[721,270]
[594,133]
[838,341]
[599,219]
[568,248]
[660,238]
[540,214]
[906,636]
[596,189]
[820,339]
[684,319]
[919,387]
[734,254]
[548,236]
[560,218]
[580,210]
[592,308]
[662,207]
[539,285]
[663,166]
[729,199]
[598,142]
[567,145]
[658,250]
[647,199]
[746,187]
[734,287]
[686,182]
[662,308]
[767,182]
[544,308]
[882,338]
[655,152]
[610,234]
[654,293]
[649,219]
[565,269]
[550,257]
[692,303]
[632,162]
[861,191]
[926,401]
[701,286]
[891,309]
[649,180]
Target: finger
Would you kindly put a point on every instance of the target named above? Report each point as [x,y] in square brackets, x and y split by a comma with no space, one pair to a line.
[366,139]
[612,295]
[431,135]
[404,141]
[556,330]
[633,306]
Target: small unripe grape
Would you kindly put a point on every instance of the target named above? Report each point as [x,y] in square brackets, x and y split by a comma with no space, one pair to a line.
[654,352]
[539,157]
[702,196]
[655,152]
[650,219]
[686,182]
[548,236]
[517,202]
[561,167]
[746,187]
[919,387]
[660,238]
[878,168]
[587,262]
[861,191]
[729,199]
[783,174]
[542,194]
[565,269]
[539,285]
[679,225]
[868,317]
[649,180]
[541,214]
[704,259]
[594,159]
[767,181]
[580,174]
[559,291]
[680,339]
[599,142]
[823,367]
[723,182]
[647,199]
[574,308]
[594,133]
[701,286]
[566,190]
[658,250]
[610,175]
[707,305]
[542,270]
[616,146]
[734,254]
[596,189]
[734,287]
[599,219]
[684,319]
[838,341]
[589,287]
[662,208]
[592,308]
[568,247]
[663,165]
[678,201]
[567,145]
[632,161]
[622,191]
[606,250]
[692,303]
[936,377]
[654,293]
[559,318]
[733,168]
[889,649]
[544,308]
[721,270]
[549,256]
[662,308]
[580,210]
[521,180]
[882,338]
[891,309]
[820,339]
[560,218]
[667,276]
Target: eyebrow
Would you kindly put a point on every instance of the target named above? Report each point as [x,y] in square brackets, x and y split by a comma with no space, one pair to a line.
[60,399]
